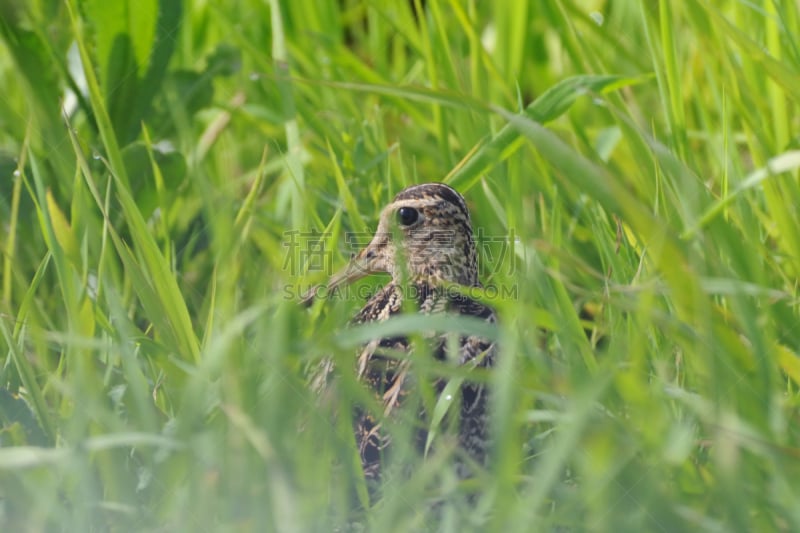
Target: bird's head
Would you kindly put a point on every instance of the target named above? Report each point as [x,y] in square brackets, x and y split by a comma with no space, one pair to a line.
[424,234]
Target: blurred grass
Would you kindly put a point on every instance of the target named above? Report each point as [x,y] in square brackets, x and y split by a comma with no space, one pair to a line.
[167,164]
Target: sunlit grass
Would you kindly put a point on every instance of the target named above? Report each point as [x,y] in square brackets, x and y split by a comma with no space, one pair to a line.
[632,168]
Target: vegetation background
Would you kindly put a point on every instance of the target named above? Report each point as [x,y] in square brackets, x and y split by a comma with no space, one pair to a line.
[632,165]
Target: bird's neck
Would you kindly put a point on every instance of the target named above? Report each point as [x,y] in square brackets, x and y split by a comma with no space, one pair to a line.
[435,281]
[439,273]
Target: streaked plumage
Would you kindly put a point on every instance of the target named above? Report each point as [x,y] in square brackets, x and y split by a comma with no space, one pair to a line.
[436,250]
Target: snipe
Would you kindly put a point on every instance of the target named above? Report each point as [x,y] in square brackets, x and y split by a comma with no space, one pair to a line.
[424,240]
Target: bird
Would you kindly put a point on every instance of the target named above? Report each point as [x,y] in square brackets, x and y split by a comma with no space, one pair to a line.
[424,241]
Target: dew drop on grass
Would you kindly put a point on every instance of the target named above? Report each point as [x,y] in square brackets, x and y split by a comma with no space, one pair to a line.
[597,17]
[489,38]
[91,286]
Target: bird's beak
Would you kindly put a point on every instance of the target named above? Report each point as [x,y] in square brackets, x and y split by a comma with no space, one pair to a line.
[359,266]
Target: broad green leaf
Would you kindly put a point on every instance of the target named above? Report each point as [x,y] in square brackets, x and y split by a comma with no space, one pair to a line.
[550,105]
[63,231]
[556,100]
[779,164]
[132,42]
[789,362]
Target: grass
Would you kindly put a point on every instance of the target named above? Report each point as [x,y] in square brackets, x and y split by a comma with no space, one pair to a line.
[169,166]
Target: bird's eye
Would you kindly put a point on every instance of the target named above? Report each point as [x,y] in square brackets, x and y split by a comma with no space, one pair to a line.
[406,216]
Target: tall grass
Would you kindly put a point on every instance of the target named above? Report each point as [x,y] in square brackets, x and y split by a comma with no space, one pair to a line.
[177,175]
